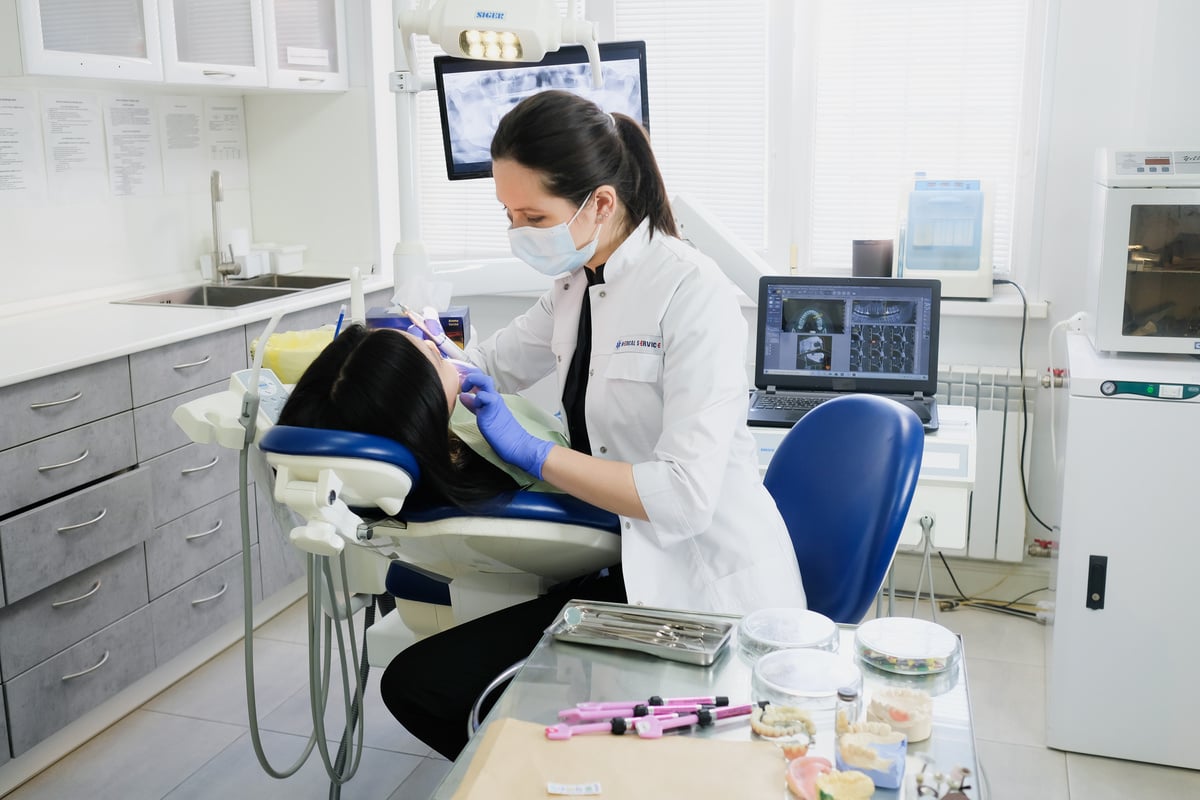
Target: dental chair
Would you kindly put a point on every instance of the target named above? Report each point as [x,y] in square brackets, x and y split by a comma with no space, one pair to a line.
[442,565]
[843,478]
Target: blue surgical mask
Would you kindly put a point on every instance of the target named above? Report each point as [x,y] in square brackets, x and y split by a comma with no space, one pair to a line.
[551,251]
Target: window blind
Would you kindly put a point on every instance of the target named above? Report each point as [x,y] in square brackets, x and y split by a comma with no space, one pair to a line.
[923,85]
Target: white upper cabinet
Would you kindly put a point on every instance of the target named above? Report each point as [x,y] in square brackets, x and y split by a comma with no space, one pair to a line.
[306,44]
[216,42]
[91,38]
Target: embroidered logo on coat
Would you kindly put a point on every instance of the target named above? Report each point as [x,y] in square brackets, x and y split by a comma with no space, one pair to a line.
[639,344]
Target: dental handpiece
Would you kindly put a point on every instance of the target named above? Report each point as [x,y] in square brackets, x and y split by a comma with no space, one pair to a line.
[447,347]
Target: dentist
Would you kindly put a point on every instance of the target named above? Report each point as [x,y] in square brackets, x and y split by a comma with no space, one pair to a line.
[647,342]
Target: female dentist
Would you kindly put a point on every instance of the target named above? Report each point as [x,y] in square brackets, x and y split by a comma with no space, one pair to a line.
[647,341]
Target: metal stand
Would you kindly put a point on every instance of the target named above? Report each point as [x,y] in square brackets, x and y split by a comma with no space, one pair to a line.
[926,567]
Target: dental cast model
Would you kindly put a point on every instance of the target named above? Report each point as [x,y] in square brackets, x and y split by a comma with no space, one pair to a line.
[909,711]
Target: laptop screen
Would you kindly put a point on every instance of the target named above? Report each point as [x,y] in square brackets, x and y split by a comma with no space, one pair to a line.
[848,334]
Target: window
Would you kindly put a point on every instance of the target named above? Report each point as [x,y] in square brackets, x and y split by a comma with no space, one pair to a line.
[899,87]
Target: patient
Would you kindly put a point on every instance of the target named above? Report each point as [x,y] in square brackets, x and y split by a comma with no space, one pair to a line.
[388,383]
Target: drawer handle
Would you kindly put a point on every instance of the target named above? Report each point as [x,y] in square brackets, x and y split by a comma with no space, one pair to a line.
[70,399]
[65,463]
[306,79]
[224,586]
[216,73]
[89,593]
[208,532]
[209,465]
[190,364]
[86,671]
[78,525]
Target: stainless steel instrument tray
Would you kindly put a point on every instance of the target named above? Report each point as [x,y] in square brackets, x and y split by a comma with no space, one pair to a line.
[691,637]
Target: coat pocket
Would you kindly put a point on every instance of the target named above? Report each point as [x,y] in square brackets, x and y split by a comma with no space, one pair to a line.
[643,367]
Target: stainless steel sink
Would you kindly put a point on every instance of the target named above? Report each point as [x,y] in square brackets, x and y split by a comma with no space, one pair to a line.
[288,281]
[210,296]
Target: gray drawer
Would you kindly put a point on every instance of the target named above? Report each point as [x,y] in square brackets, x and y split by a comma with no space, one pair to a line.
[191,477]
[58,691]
[156,432]
[180,367]
[188,614]
[43,546]
[55,403]
[59,616]
[32,472]
[183,548]
[282,562]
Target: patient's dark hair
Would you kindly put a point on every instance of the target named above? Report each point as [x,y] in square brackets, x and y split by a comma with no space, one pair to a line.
[379,382]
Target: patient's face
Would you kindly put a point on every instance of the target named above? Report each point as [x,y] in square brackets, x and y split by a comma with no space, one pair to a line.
[445,370]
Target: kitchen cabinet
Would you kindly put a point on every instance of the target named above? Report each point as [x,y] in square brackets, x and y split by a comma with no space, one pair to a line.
[306,44]
[91,38]
[213,42]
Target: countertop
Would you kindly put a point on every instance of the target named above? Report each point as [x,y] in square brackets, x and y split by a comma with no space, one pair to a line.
[50,340]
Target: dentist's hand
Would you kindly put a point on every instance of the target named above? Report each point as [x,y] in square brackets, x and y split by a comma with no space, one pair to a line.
[511,442]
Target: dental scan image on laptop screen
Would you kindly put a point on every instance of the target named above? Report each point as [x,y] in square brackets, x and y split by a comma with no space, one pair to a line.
[819,337]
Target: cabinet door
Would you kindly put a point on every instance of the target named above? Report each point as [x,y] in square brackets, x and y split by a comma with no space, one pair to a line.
[306,44]
[213,42]
[91,38]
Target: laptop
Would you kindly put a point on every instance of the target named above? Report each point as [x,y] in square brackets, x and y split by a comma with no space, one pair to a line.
[818,338]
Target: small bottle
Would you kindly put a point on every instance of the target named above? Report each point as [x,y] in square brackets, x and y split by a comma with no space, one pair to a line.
[849,706]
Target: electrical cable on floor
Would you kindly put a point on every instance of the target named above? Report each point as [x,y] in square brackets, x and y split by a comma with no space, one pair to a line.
[1013,607]
[1024,403]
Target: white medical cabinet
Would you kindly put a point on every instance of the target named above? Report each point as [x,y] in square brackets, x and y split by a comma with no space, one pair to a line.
[1122,649]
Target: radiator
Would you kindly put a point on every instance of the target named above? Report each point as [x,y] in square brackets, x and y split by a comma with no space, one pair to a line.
[997,520]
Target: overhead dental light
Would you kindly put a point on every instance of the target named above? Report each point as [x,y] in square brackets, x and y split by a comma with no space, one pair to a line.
[502,30]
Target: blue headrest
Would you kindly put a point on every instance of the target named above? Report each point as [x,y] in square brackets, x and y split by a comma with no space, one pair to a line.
[543,506]
[292,441]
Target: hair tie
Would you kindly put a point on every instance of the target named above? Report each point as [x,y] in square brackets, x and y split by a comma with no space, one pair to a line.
[612,119]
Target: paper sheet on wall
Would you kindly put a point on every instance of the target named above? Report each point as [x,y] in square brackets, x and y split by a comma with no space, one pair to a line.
[22,170]
[225,139]
[74,142]
[134,167]
[184,159]
[515,761]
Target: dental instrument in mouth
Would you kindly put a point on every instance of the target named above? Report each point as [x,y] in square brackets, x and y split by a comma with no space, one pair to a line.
[447,347]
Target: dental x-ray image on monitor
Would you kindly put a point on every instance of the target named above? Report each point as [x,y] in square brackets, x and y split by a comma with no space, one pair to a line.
[473,95]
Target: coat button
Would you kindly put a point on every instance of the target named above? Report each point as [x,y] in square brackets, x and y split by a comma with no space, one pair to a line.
[560,359]
[628,525]
[566,286]
[603,293]
[591,372]
[603,449]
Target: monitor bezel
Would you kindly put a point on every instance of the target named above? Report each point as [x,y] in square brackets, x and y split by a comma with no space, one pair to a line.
[569,54]
[809,381]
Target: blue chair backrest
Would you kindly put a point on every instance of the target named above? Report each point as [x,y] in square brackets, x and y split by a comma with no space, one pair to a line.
[843,478]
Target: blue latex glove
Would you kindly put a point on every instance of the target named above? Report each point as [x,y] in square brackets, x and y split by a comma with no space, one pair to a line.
[511,442]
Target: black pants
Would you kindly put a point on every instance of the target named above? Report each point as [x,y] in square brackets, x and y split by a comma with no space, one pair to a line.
[431,685]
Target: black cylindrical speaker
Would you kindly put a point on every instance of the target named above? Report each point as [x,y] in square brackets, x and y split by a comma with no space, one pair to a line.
[871,258]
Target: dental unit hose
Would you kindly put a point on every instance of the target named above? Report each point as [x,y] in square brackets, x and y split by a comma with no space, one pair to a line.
[319,667]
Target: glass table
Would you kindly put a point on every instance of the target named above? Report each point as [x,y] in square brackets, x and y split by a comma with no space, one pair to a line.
[559,674]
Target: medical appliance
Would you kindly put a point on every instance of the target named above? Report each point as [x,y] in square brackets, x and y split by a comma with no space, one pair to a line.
[946,235]
[1143,285]
[1121,647]
[473,95]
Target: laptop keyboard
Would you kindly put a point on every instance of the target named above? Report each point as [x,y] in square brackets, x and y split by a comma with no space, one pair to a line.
[787,402]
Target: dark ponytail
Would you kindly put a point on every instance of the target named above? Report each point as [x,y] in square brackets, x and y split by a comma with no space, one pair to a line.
[576,147]
[379,382]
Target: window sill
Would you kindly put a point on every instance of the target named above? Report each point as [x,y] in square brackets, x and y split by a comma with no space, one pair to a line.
[1005,303]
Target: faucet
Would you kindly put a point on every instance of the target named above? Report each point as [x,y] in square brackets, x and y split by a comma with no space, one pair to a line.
[222,268]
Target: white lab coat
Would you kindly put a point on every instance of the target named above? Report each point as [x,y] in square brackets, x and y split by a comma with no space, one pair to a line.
[667,392]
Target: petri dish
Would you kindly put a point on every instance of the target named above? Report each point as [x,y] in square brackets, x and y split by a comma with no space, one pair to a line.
[770,629]
[906,646]
[805,678]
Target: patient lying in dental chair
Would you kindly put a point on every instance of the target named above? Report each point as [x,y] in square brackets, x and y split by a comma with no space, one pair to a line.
[389,383]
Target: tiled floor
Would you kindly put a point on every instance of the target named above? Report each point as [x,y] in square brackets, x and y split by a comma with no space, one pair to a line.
[192,741]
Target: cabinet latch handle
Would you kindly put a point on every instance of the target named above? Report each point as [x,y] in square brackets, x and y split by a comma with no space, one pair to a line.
[190,364]
[208,532]
[65,463]
[84,596]
[78,525]
[86,671]
[211,597]
[70,399]
[209,465]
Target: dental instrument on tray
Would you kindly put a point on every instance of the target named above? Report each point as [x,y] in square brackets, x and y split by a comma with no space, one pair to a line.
[575,716]
[449,349]
[648,727]
[655,700]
